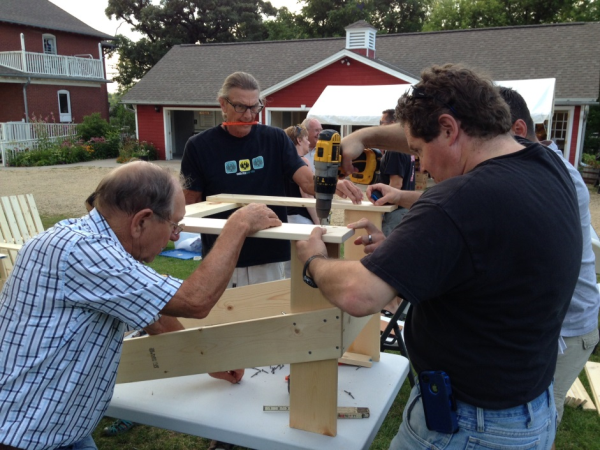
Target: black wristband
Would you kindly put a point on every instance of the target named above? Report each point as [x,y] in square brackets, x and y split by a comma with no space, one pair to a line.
[307,279]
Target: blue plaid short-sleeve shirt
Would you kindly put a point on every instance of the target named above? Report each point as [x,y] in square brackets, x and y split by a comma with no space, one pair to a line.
[72,293]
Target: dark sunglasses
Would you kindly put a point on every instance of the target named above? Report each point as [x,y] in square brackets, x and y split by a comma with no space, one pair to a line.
[419,93]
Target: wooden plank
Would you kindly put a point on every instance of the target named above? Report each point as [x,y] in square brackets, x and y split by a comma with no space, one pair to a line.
[299,202]
[13,226]
[246,303]
[368,341]
[592,371]
[313,393]
[287,231]
[35,214]
[19,218]
[204,209]
[311,336]
[354,359]
[352,328]
[577,395]
[313,397]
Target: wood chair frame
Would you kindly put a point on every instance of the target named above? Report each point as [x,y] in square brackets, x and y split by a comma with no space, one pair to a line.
[270,323]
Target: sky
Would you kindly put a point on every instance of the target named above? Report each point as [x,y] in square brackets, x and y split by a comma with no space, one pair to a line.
[92,13]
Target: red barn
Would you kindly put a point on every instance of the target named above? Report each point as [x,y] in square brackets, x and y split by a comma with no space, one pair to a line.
[51,64]
[177,98]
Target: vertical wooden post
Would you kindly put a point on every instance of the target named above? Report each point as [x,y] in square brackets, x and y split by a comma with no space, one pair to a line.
[367,342]
[313,385]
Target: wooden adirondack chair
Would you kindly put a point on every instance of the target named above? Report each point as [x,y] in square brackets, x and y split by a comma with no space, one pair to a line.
[19,221]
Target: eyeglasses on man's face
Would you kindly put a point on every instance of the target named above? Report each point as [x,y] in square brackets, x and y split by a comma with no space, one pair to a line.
[241,109]
[176,229]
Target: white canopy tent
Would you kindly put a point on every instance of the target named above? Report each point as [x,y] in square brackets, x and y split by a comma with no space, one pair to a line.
[362,105]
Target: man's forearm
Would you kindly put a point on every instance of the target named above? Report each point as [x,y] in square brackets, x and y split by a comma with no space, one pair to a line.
[409,198]
[350,286]
[210,279]
[389,137]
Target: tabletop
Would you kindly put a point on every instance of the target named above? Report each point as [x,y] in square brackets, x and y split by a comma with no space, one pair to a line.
[203,406]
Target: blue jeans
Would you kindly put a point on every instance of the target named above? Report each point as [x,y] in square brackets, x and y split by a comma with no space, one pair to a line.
[529,426]
[84,444]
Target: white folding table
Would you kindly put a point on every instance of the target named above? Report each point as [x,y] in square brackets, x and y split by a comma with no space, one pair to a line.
[203,406]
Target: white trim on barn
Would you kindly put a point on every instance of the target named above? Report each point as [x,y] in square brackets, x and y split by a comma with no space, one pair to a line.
[334,58]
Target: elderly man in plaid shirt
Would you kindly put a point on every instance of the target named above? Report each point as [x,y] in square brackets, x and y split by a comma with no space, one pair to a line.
[79,285]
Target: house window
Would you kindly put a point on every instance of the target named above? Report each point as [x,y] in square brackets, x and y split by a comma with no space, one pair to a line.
[64,106]
[560,128]
[49,44]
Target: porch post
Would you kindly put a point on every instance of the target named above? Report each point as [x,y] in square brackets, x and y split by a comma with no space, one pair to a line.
[23,56]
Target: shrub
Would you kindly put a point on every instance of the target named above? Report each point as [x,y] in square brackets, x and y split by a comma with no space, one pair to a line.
[106,147]
[93,126]
[134,149]
[67,152]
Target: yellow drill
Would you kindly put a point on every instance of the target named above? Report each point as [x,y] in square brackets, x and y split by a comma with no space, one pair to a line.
[328,158]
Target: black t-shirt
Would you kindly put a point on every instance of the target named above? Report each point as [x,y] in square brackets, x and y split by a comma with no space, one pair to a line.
[489,261]
[293,190]
[401,164]
[215,162]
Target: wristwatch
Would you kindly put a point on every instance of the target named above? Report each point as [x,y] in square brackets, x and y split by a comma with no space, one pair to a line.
[307,279]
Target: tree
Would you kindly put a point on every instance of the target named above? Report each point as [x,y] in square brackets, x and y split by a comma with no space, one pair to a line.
[328,18]
[173,22]
[461,14]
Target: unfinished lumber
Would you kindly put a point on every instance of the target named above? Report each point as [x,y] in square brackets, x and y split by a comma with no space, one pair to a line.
[355,359]
[204,209]
[299,202]
[368,341]
[290,338]
[313,394]
[246,303]
[287,231]
[578,396]
[592,371]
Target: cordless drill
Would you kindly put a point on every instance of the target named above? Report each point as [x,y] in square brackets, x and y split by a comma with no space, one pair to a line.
[328,158]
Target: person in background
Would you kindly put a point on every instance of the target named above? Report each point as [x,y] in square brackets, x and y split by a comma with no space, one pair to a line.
[398,171]
[299,137]
[579,331]
[488,293]
[78,286]
[240,156]
[314,128]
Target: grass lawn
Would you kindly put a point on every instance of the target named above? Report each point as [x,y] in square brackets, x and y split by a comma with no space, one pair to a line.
[579,429]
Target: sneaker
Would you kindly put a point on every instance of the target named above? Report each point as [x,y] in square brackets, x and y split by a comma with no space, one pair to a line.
[119,426]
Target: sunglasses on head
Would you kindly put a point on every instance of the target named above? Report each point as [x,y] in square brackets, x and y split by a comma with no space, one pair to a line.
[419,93]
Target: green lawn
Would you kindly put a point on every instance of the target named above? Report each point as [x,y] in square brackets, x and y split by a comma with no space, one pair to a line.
[579,429]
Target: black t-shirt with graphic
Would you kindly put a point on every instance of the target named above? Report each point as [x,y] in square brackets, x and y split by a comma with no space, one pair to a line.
[215,162]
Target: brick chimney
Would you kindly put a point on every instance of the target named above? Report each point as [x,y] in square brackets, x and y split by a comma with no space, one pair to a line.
[360,38]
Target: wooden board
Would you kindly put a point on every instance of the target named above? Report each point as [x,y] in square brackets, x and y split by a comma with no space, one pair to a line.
[246,303]
[368,341]
[287,231]
[313,393]
[310,336]
[354,359]
[204,209]
[577,395]
[300,202]
[592,371]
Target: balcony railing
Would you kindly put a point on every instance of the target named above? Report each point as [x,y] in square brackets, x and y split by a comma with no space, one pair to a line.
[54,65]
[19,136]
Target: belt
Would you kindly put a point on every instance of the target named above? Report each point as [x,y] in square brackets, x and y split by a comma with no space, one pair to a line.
[8,447]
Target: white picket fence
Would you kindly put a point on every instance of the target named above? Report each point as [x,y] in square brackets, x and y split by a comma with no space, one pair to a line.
[19,136]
